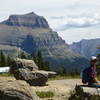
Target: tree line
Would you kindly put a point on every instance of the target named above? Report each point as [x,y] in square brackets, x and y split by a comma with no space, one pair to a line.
[41,62]
[5,60]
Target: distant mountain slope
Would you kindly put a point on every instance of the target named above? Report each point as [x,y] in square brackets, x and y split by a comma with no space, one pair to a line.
[13,51]
[86,48]
[32,33]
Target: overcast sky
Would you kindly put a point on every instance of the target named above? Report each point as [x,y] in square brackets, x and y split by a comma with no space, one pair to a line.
[72,19]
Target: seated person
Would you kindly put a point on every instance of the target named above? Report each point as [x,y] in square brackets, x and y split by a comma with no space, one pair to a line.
[93,74]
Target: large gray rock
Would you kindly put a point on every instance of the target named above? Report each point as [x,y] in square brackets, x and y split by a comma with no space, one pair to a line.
[16,90]
[23,63]
[33,78]
[85,92]
[49,74]
[23,69]
[91,90]
[38,77]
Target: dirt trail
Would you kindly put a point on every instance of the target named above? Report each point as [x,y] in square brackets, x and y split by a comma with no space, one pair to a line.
[61,88]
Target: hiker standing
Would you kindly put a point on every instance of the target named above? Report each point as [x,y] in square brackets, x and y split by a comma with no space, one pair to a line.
[92,73]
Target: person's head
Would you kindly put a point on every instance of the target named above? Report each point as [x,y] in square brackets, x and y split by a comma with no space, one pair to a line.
[93,60]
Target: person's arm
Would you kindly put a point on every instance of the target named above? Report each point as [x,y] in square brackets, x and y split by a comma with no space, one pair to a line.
[93,76]
[96,80]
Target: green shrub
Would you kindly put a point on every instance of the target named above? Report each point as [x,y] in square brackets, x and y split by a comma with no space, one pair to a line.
[47,94]
[6,74]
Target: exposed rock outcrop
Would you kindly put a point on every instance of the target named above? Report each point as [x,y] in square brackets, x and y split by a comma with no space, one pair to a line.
[83,92]
[28,20]
[49,74]
[16,90]
[33,78]
[27,70]
[23,63]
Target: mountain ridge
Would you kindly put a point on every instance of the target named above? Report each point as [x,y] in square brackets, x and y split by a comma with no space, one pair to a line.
[27,20]
[32,36]
[86,47]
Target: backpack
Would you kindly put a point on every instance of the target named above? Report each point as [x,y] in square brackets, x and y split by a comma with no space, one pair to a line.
[85,75]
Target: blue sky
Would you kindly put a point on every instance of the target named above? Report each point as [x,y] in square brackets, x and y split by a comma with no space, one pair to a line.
[72,19]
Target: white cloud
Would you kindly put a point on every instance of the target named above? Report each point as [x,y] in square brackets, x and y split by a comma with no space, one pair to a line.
[63,23]
[74,28]
[79,14]
[75,35]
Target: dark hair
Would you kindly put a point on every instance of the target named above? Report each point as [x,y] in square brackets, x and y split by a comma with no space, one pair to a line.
[92,62]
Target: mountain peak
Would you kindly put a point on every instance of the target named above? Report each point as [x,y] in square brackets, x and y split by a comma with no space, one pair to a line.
[31,20]
[31,13]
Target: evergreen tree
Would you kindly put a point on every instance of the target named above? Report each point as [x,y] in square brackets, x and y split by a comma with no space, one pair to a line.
[47,66]
[74,71]
[2,59]
[41,63]
[62,71]
[39,60]
[22,55]
[9,60]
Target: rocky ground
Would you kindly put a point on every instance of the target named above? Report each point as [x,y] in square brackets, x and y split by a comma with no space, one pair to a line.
[60,88]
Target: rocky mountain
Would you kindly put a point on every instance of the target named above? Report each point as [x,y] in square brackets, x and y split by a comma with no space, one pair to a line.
[32,33]
[29,20]
[86,48]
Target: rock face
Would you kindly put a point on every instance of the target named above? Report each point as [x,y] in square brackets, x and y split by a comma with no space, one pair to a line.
[26,70]
[32,33]
[50,74]
[24,63]
[33,78]
[86,48]
[28,20]
[16,90]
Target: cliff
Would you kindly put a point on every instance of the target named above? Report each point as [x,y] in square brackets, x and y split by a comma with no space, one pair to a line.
[86,48]
[27,20]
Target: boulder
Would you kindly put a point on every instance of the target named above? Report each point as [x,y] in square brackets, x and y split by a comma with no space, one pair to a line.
[84,92]
[16,90]
[23,63]
[31,77]
[23,69]
[49,74]
[90,90]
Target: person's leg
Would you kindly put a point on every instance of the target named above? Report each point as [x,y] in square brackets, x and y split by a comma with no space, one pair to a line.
[94,85]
